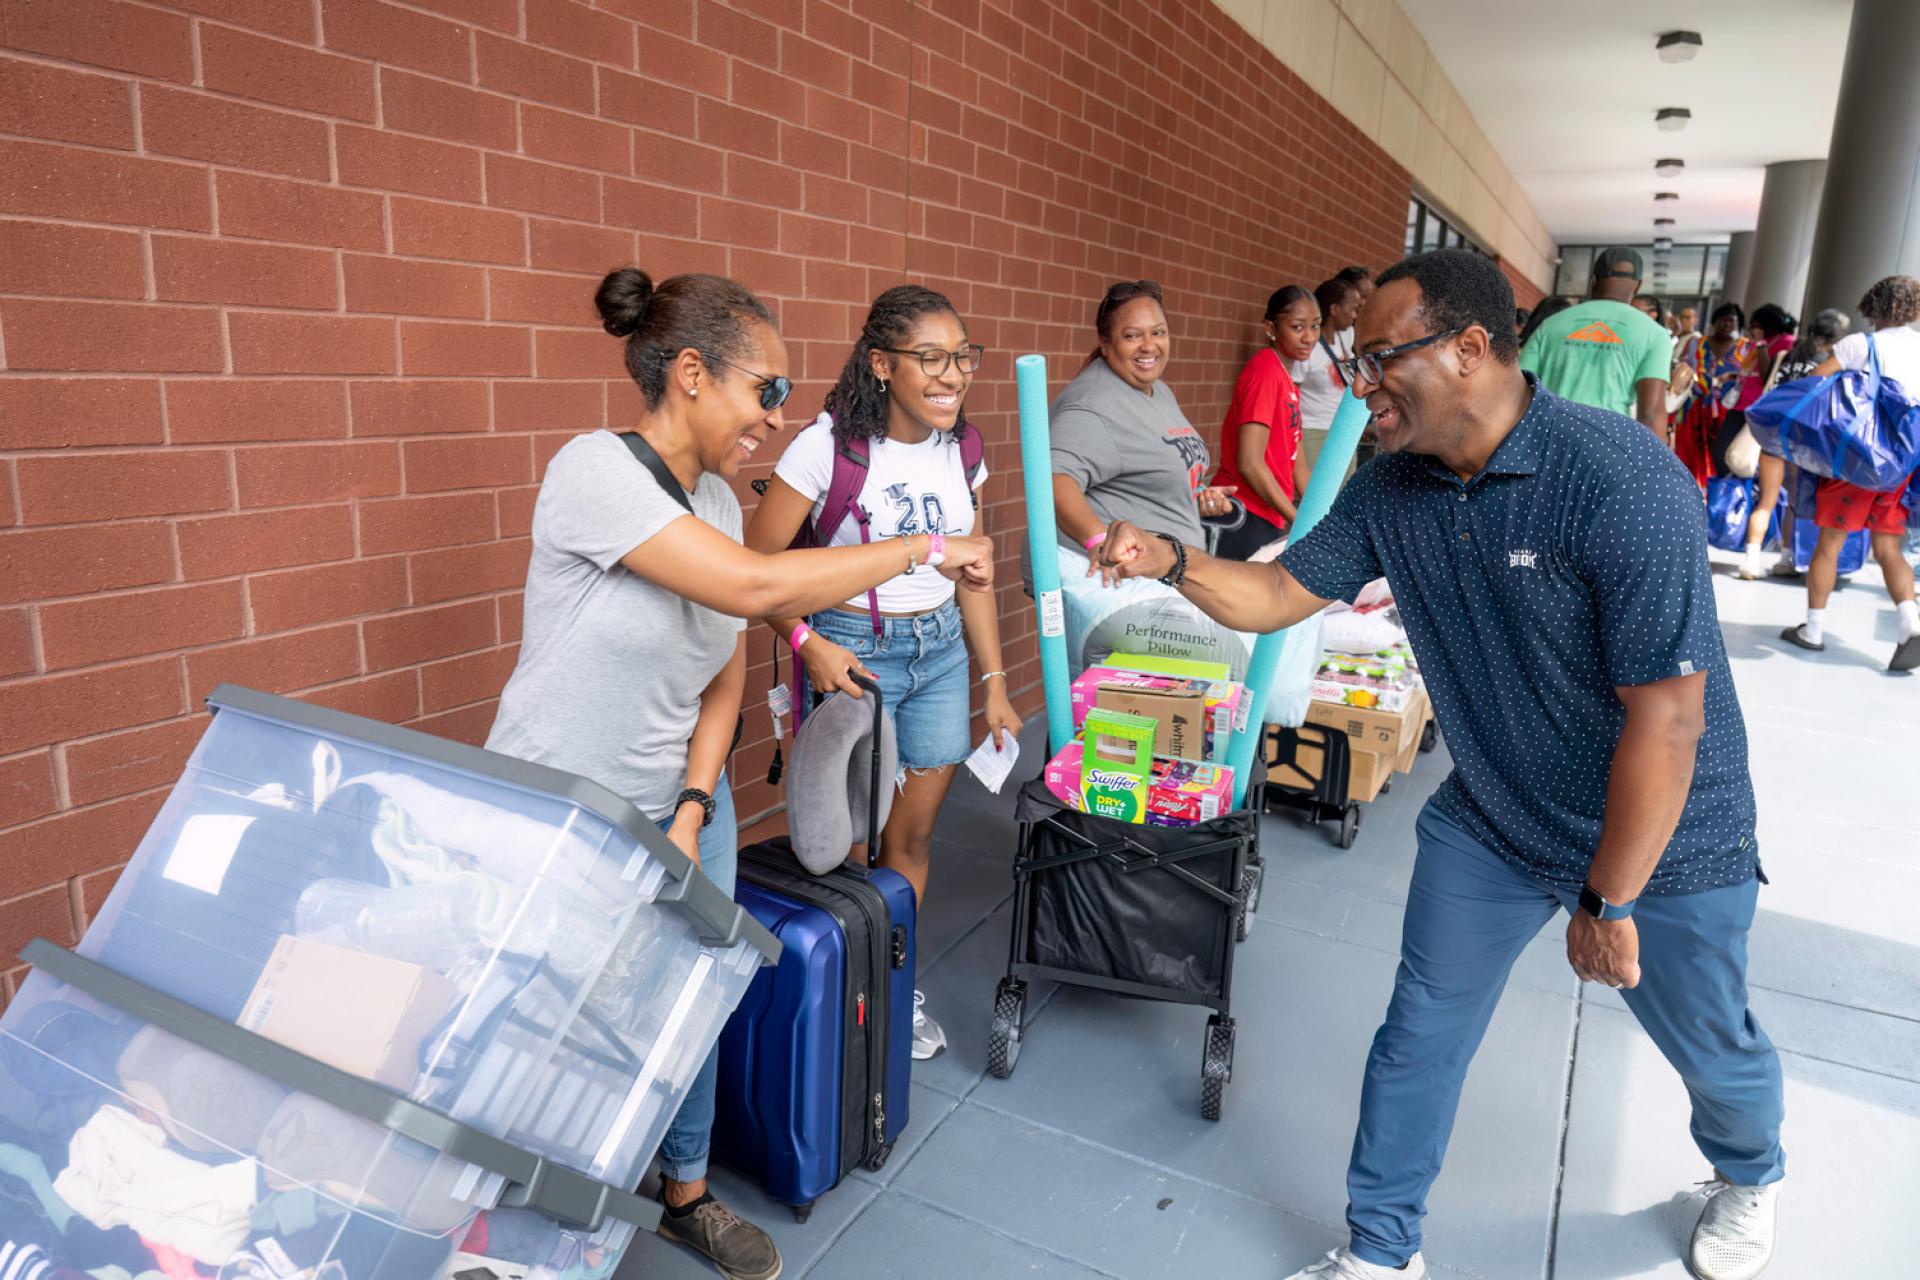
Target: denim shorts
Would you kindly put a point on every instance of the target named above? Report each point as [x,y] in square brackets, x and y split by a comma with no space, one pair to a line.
[921,664]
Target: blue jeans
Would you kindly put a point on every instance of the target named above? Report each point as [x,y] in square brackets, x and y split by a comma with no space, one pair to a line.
[683,1152]
[1469,915]
[921,664]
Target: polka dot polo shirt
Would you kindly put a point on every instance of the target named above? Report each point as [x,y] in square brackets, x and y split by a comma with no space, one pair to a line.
[1574,562]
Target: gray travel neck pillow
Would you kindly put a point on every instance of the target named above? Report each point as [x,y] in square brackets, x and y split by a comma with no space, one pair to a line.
[827,792]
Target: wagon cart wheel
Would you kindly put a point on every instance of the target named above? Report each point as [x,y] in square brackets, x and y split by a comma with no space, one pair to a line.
[1216,1068]
[1003,1041]
[1430,735]
[1250,881]
[1349,824]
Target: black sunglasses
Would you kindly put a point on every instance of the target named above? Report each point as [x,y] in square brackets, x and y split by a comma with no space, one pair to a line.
[934,361]
[773,390]
[1368,366]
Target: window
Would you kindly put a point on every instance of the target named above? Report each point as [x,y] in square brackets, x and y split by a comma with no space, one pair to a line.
[1428,228]
[1683,271]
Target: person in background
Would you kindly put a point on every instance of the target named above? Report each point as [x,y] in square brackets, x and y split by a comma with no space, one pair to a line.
[1689,323]
[1260,453]
[632,666]
[1808,353]
[1716,363]
[1520,317]
[1360,278]
[1600,754]
[1605,352]
[1122,449]
[1318,375]
[903,393]
[1772,328]
[1549,308]
[1891,306]
[1649,304]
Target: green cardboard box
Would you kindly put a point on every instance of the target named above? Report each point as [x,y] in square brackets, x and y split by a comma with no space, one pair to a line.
[1117,764]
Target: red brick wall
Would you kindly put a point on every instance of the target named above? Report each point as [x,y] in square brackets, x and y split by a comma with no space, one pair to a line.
[295,304]
[1525,292]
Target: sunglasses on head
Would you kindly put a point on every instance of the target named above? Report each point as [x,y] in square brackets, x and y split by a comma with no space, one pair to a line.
[774,390]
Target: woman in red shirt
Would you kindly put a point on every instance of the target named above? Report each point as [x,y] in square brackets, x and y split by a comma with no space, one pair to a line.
[1260,440]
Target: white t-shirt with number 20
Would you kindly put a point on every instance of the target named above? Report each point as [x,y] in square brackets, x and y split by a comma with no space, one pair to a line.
[910,489]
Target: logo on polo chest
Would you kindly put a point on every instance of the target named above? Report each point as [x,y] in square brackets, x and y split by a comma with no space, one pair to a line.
[1523,559]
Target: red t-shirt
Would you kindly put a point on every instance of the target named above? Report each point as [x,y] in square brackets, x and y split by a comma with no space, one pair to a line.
[1263,393]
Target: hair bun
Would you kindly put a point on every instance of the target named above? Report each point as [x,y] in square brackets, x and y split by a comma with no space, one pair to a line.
[622,300]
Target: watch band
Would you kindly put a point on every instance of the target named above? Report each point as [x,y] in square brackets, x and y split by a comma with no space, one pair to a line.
[701,798]
[1599,908]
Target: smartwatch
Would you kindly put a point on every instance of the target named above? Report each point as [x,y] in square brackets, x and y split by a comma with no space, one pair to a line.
[1599,908]
[701,798]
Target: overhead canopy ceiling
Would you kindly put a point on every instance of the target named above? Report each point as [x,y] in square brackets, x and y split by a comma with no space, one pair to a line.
[1566,92]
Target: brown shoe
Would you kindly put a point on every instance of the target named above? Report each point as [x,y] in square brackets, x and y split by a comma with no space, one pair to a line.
[741,1250]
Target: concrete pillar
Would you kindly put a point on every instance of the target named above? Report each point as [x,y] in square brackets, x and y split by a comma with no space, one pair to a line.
[1739,268]
[1783,242]
[1870,205]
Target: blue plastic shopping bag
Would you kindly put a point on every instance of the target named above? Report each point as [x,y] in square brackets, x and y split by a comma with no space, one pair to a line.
[1855,425]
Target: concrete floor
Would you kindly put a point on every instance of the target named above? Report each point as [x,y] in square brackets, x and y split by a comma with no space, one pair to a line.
[1571,1158]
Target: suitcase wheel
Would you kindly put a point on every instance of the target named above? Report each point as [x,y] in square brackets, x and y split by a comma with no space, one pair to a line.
[1216,1068]
[801,1212]
[1250,881]
[1003,1042]
[878,1160]
[1349,824]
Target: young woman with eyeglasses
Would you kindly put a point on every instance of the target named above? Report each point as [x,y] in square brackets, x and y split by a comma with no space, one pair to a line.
[633,659]
[902,395]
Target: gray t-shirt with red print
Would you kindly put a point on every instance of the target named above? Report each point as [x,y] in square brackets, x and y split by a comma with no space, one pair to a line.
[1134,455]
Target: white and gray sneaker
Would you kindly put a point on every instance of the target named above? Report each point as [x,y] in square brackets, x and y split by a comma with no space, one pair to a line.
[1735,1235]
[928,1039]
[1342,1265]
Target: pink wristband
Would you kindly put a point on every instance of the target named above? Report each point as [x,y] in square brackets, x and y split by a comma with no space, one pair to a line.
[936,549]
[801,634]
[1095,540]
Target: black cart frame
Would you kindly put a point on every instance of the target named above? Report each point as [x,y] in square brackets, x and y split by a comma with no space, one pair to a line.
[1220,909]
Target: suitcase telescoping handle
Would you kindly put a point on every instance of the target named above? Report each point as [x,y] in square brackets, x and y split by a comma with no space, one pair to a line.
[872,690]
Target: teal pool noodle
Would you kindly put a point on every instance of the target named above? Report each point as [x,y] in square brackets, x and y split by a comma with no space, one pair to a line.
[1342,438]
[1036,464]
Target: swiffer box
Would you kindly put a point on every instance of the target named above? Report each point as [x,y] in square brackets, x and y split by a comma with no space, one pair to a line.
[1181,793]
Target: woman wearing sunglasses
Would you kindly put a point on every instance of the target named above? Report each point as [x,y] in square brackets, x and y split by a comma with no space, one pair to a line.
[633,660]
[902,397]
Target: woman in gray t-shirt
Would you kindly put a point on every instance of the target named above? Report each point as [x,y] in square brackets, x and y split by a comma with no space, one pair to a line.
[1122,449]
[632,660]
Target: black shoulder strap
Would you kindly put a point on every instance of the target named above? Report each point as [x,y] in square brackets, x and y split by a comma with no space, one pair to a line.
[643,454]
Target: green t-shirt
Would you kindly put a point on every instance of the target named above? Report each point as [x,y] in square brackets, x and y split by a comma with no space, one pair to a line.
[1595,352]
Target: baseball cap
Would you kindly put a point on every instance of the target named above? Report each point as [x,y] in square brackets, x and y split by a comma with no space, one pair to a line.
[1618,262]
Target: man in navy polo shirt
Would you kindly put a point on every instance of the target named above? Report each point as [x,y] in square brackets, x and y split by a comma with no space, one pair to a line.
[1549,561]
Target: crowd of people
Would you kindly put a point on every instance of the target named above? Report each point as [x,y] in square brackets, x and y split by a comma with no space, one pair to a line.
[1693,390]
[1547,554]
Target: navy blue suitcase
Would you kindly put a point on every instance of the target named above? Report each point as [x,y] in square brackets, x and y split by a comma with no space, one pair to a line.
[816,1060]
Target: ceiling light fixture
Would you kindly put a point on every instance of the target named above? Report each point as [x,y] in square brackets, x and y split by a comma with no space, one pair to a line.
[1663,222]
[1678,46]
[1661,197]
[1669,167]
[1671,119]
[1663,244]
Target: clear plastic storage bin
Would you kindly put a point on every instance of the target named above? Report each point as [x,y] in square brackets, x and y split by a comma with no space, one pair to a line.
[510,947]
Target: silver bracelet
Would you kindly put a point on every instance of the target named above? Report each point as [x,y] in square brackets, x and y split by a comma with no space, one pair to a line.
[991,674]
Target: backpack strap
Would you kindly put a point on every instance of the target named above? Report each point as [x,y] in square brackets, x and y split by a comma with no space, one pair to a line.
[973,456]
[851,462]
[643,454]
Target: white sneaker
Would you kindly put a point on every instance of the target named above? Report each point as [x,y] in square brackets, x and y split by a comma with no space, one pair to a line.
[928,1039]
[1735,1236]
[1751,570]
[1342,1265]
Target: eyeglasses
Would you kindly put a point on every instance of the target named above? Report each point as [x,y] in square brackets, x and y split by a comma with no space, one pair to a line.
[934,361]
[1368,366]
[774,390]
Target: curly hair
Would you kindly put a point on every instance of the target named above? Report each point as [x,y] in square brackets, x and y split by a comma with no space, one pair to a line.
[708,313]
[1773,320]
[858,401]
[1459,288]
[1893,301]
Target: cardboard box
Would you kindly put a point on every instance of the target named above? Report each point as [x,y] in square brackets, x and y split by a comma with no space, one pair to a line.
[1370,699]
[1381,732]
[1225,709]
[358,1012]
[1179,709]
[1367,771]
[1117,752]
[1155,664]
[1181,793]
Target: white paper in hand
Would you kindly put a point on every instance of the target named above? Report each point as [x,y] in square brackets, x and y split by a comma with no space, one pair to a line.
[992,765]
